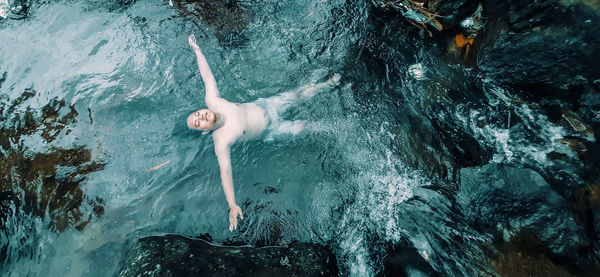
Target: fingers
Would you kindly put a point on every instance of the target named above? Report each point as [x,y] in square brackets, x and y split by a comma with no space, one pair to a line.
[233,213]
[232,223]
[192,41]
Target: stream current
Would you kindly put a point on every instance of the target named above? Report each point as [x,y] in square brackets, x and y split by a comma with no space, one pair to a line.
[371,173]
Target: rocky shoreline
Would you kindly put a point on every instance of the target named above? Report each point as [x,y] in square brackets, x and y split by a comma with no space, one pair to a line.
[175,255]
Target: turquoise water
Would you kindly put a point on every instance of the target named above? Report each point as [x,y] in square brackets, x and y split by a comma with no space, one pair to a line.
[354,182]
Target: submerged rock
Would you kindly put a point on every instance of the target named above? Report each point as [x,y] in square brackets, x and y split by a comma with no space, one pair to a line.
[43,184]
[227,19]
[545,48]
[174,255]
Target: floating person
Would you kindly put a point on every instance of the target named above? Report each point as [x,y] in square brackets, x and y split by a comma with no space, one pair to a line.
[232,122]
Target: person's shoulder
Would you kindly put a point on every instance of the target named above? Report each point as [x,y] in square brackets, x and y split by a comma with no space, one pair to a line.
[227,134]
[218,103]
[221,139]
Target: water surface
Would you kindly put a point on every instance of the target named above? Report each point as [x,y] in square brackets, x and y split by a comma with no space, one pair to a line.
[370,174]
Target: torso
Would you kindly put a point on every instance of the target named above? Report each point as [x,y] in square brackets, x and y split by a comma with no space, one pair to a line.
[241,121]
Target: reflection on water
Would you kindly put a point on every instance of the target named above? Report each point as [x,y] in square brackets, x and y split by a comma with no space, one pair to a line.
[96,94]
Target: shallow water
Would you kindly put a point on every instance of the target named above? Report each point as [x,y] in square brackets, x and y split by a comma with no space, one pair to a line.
[366,177]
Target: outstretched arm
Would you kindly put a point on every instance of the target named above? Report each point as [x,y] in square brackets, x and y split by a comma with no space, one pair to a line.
[209,80]
[223,155]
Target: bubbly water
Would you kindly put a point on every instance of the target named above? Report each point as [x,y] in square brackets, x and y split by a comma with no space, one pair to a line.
[132,78]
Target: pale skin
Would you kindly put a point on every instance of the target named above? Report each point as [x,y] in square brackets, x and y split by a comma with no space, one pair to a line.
[232,122]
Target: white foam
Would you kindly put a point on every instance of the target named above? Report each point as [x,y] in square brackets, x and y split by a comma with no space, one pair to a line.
[4,9]
[417,71]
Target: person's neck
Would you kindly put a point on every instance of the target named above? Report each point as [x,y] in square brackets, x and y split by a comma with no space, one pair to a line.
[219,123]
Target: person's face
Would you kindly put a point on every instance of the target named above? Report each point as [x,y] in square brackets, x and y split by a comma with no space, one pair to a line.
[201,120]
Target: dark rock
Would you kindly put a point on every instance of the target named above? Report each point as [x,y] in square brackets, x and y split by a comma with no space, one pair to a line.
[557,156]
[7,199]
[466,151]
[174,255]
[453,12]
[597,84]
[432,14]
[546,48]
[406,261]
[587,198]
[521,257]
[511,201]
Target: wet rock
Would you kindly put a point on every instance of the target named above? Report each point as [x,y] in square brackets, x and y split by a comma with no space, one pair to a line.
[545,48]
[587,198]
[557,157]
[585,203]
[432,92]
[453,12]
[512,201]
[432,14]
[575,144]
[419,13]
[521,257]
[407,261]
[174,255]
[597,84]
[579,126]
[465,150]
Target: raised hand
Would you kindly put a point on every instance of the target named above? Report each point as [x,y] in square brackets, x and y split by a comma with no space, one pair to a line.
[192,42]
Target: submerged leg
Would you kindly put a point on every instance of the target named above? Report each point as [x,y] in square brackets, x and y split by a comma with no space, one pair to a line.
[283,100]
[291,127]
[309,91]
[286,128]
